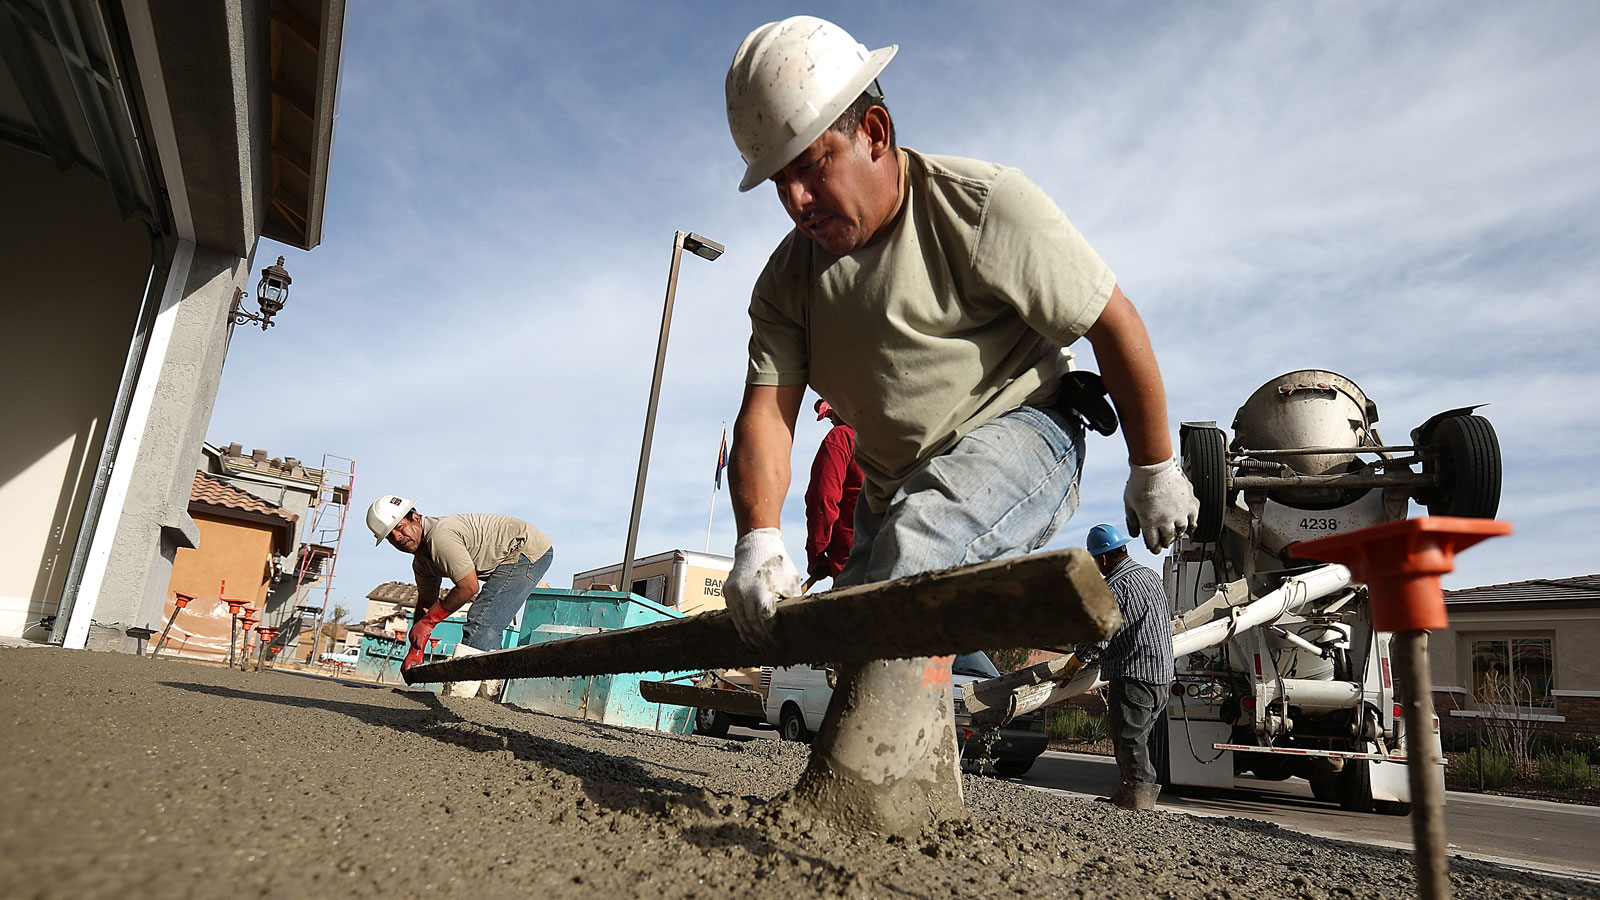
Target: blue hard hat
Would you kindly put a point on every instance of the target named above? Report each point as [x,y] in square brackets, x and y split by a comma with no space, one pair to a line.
[1106,538]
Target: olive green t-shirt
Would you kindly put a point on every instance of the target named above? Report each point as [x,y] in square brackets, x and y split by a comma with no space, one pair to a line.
[452,546]
[952,318]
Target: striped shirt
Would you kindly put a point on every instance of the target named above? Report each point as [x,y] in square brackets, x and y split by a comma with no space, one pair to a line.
[1142,650]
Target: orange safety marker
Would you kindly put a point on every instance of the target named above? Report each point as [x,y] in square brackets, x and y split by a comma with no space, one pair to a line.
[1401,563]
[179,601]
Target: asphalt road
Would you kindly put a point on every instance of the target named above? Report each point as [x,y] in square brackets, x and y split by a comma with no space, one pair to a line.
[1552,838]
[1556,838]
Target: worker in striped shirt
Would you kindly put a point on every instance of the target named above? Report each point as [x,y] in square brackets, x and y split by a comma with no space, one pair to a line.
[1136,661]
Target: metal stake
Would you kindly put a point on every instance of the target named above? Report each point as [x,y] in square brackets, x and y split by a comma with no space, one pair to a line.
[1409,651]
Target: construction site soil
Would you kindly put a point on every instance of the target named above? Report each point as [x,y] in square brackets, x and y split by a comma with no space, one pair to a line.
[130,777]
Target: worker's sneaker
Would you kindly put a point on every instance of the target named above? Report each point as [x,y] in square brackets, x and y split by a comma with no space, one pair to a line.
[885,758]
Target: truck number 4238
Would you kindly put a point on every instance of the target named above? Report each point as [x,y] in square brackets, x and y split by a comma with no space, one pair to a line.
[1319,524]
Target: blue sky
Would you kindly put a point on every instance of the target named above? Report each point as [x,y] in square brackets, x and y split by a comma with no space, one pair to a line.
[1405,194]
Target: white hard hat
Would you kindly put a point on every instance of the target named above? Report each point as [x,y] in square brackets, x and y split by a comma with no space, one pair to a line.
[788,83]
[386,512]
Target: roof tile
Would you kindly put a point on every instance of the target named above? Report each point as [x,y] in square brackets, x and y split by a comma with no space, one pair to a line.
[213,491]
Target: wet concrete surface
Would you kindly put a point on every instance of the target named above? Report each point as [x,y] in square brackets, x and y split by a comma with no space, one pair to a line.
[122,776]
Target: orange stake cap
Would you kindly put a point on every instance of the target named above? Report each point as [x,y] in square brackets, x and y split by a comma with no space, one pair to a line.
[1401,563]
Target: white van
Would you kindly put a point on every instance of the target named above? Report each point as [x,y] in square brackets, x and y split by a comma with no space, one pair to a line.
[797,699]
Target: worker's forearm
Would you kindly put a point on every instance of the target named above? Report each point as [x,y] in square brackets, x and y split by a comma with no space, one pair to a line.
[1128,365]
[459,595]
[426,598]
[758,477]
[758,468]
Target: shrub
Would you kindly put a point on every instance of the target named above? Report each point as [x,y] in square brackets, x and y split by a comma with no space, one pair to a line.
[1094,729]
[1498,770]
[1456,740]
[1548,743]
[1010,660]
[1064,727]
[1075,726]
[1566,770]
[1589,746]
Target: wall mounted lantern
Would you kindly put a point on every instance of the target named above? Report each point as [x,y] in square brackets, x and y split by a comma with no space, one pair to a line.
[272,292]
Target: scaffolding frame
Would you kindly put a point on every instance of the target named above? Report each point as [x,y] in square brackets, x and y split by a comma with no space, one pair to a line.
[325,528]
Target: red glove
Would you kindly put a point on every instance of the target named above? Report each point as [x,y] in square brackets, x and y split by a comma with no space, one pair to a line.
[420,632]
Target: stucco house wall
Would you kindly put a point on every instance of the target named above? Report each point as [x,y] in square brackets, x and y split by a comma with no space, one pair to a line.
[236,553]
[1566,612]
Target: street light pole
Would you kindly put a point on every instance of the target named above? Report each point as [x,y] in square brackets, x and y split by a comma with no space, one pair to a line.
[705,249]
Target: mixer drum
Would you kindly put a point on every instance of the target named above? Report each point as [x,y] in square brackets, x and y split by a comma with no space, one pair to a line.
[1307,408]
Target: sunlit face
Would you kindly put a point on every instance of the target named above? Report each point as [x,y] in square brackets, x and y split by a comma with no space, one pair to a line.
[834,192]
[406,535]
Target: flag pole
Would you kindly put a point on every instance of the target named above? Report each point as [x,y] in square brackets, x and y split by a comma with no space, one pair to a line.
[716,484]
[709,517]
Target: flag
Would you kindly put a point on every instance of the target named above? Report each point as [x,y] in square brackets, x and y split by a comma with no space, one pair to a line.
[722,456]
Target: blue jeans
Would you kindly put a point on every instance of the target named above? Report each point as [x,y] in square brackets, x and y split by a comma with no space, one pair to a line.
[499,598]
[1003,490]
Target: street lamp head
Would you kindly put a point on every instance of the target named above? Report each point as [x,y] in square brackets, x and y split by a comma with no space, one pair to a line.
[705,248]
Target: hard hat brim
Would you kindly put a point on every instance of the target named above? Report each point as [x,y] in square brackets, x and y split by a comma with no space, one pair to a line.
[767,166]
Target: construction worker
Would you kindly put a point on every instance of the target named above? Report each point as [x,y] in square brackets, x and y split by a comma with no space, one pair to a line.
[928,298]
[1136,661]
[831,498]
[493,561]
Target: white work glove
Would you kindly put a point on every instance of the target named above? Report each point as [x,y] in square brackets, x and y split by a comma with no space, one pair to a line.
[762,575]
[1160,503]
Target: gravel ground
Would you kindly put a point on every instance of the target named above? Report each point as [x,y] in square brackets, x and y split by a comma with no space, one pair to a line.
[122,776]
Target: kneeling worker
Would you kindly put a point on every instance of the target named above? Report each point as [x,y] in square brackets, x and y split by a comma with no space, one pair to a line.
[1137,661]
[494,561]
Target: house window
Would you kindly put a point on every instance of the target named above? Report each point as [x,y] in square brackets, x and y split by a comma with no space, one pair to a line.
[1513,671]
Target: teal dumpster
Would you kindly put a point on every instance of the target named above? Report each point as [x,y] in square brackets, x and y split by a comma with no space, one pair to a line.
[381,654]
[552,614]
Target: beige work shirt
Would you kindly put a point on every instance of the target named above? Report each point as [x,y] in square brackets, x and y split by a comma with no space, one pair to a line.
[952,318]
[453,546]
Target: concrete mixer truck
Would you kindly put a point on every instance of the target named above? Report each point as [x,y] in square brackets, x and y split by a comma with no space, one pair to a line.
[1279,670]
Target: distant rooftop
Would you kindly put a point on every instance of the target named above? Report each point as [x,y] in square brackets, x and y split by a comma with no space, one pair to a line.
[212,494]
[394,592]
[209,490]
[233,457]
[1554,592]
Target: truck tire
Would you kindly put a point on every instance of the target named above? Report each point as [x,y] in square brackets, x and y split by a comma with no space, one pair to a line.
[712,722]
[1205,461]
[1354,786]
[792,725]
[1468,466]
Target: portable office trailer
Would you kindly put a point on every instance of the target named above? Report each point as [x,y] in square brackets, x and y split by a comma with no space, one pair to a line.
[684,580]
